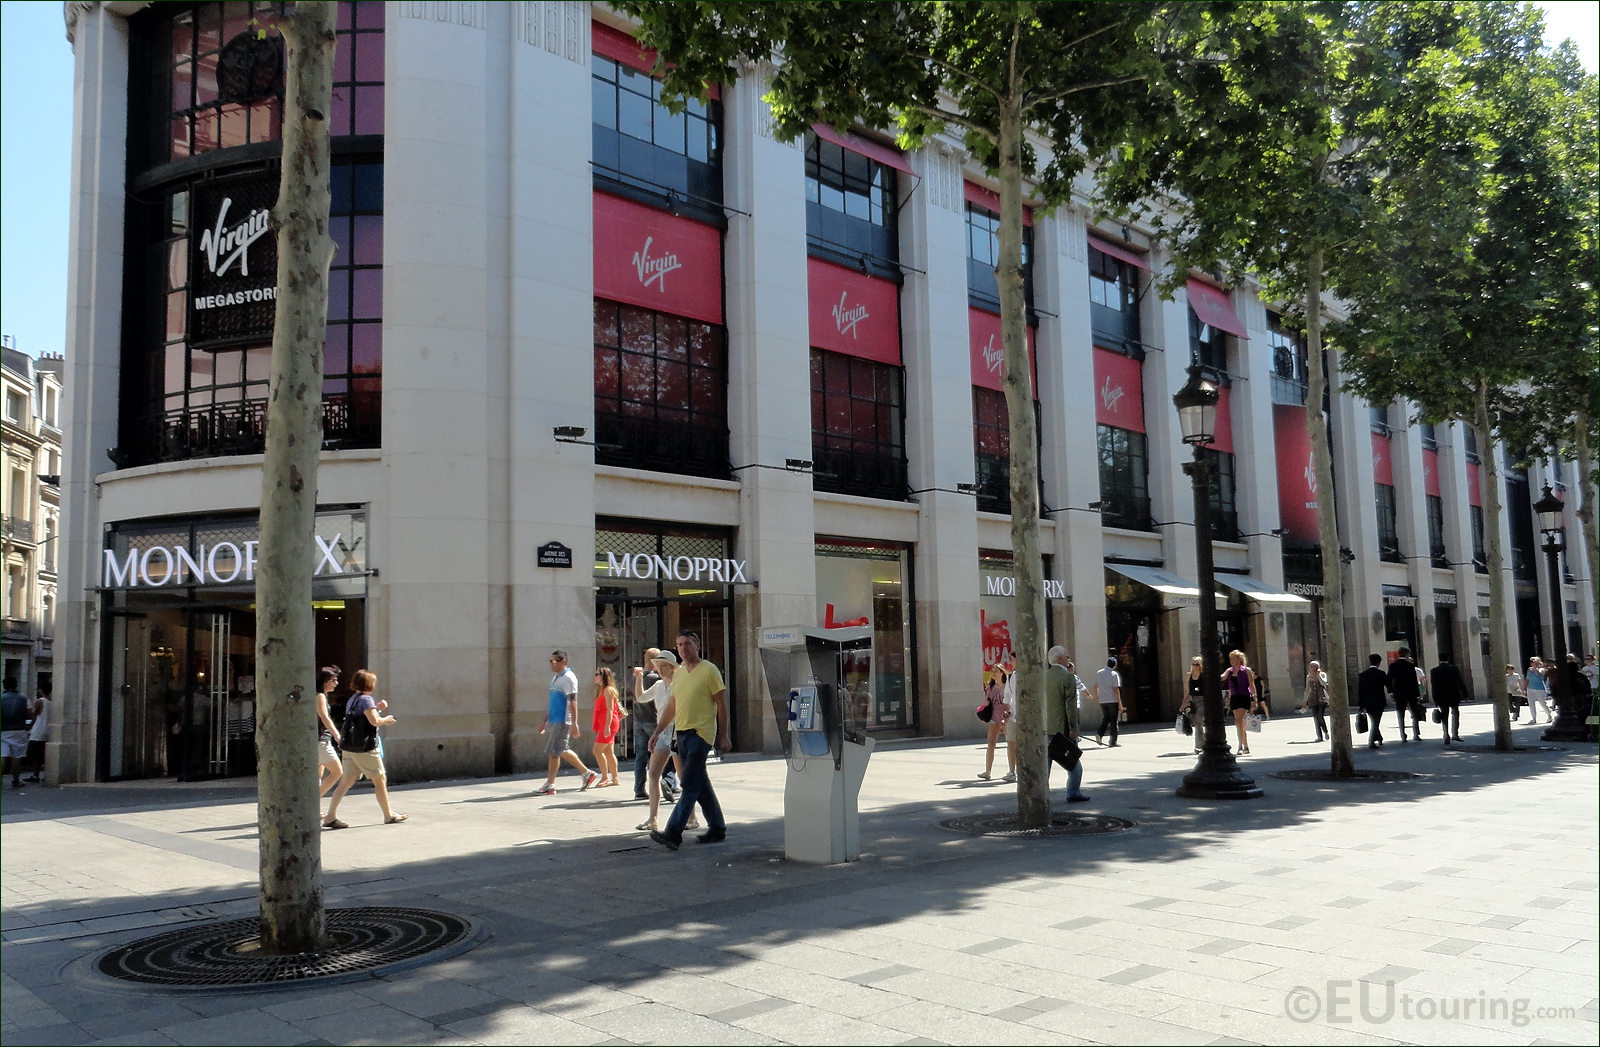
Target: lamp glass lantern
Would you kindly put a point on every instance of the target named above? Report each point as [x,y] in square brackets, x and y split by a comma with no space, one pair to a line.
[1549,509]
[1197,407]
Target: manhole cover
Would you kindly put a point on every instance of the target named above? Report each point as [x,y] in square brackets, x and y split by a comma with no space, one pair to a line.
[1322,774]
[226,955]
[1513,749]
[1063,823]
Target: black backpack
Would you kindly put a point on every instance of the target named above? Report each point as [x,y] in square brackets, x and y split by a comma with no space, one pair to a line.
[358,733]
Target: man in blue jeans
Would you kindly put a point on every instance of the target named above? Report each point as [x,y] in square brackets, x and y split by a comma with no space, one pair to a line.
[699,709]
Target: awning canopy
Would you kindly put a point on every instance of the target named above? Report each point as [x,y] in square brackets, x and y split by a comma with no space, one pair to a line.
[1175,590]
[864,146]
[1261,592]
[1117,251]
[1215,308]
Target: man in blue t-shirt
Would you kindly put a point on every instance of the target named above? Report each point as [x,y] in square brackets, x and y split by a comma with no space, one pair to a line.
[560,724]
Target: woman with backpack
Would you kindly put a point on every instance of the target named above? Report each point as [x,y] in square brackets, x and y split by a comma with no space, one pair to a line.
[361,756]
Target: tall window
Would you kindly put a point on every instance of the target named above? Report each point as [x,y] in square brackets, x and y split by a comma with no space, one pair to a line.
[850,207]
[660,391]
[1124,478]
[1469,441]
[991,435]
[857,415]
[983,255]
[1430,437]
[1290,371]
[1388,533]
[1480,554]
[1378,415]
[1208,345]
[639,143]
[1113,301]
[1224,506]
[1436,531]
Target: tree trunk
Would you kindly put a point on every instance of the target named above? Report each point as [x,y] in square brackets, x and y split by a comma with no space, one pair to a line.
[1586,510]
[1499,654]
[1033,775]
[292,919]
[1333,660]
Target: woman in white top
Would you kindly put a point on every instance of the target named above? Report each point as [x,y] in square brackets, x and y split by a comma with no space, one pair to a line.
[1538,691]
[665,663]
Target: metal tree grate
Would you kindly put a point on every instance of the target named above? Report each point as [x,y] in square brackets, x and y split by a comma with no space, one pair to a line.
[1513,749]
[220,956]
[1065,823]
[1322,774]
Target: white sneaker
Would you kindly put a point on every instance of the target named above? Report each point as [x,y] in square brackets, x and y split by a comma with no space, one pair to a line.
[589,779]
[1011,776]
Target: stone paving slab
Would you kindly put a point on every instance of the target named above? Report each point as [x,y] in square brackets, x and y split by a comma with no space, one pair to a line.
[1211,923]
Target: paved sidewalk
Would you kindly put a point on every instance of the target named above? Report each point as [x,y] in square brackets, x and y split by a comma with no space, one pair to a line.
[1455,908]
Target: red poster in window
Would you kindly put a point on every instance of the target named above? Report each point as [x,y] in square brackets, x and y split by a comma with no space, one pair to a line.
[983,327]
[1297,473]
[1430,473]
[1119,390]
[655,260]
[1382,464]
[1474,490]
[853,313]
[1224,423]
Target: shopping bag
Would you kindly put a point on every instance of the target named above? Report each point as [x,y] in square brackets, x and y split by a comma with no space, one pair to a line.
[1438,715]
[1252,723]
[1182,724]
[1361,723]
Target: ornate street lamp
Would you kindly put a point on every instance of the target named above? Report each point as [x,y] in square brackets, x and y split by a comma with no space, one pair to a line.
[1569,724]
[1216,775]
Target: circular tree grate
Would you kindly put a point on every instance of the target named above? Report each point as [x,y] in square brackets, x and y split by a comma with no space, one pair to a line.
[220,956]
[1322,774]
[1065,823]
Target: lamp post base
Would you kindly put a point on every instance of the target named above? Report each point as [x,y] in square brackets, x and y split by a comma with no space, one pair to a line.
[1569,727]
[1217,777]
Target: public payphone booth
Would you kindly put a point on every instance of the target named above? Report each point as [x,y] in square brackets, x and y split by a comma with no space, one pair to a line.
[826,748]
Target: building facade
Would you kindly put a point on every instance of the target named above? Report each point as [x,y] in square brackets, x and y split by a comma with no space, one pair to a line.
[30,469]
[597,372]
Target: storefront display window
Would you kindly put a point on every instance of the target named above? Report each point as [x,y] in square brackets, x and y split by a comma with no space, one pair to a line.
[867,584]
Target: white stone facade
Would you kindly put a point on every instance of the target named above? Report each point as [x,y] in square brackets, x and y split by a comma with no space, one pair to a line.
[487,347]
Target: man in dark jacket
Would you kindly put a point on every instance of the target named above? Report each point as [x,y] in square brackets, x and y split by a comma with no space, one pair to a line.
[1407,695]
[1448,690]
[1372,694]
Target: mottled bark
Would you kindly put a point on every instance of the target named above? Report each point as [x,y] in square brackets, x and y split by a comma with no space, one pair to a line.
[1333,659]
[292,918]
[1499,650]
[1586,509]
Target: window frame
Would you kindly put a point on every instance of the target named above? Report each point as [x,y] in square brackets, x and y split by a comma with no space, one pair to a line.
[654,170]
[1223,483]
[857,459]
[835,232]
[1388,525]
[1118,279]
[983,286]
[1124,461]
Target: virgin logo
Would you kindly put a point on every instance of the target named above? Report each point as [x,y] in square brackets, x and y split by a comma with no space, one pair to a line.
[223,246]
[846,318]
[1110,395]
[1311,473]
[652,270]
[993,356]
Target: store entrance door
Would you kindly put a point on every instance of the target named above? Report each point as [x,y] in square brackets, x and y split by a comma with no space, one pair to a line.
[1132,633]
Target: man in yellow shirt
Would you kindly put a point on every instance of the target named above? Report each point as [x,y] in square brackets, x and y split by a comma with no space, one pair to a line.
[698,709]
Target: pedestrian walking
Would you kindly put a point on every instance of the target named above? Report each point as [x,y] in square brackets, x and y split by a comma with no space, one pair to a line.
[362,718]
[698,711]
[1239,683]
[1516,692]
[1061,722]
[1372,695]
[1316,700]
[1194,701]
[39,735]
[560,727]
[606,723]
[330,765]
[1591,672]
[663,665]
[1448,689]
[1108,689]
[14,713]
[1407,695]
[1538,690]
[645,677]
[1011,718]
[995,692]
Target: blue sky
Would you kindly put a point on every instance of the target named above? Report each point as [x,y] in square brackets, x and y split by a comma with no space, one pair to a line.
[36,151]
